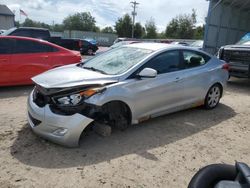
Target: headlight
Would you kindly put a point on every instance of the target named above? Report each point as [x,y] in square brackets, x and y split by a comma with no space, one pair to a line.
[76,98]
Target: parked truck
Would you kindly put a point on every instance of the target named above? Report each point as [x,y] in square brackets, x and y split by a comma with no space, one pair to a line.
[85,47]
[238,57]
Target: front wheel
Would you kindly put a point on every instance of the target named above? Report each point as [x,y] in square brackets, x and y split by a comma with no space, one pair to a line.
[213,96]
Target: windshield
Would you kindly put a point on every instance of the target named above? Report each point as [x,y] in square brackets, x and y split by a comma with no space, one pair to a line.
[118,44]
[245,40]
[197,43]
[7,32]
[117,61]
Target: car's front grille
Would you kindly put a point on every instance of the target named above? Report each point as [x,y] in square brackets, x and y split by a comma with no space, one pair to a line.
[34,120]
[236,56]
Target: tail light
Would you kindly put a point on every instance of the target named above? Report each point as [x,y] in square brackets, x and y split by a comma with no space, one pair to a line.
[225,67]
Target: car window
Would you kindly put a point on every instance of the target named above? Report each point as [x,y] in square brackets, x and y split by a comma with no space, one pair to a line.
[40,47]
[40,34]
[27,46]
[23,33]
[165,62]
[85,43]
[5,46]
[194,59]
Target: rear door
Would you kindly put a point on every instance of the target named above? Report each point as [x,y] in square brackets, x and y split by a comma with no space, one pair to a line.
[6,45]
[29,58]
[195,77]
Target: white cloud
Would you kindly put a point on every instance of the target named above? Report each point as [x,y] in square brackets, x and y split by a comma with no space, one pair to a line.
[107,12]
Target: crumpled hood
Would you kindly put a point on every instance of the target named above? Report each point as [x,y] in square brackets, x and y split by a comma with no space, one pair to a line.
[70,76]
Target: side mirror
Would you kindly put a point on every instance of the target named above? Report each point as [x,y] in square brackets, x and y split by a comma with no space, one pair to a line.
[147,73]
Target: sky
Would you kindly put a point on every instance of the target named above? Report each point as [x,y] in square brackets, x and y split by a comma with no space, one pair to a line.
[106,12]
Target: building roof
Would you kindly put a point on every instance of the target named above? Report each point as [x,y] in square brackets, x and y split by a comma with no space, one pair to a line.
[243,5]
[4,10]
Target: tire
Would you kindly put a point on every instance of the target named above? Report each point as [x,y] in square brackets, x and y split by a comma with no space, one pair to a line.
[90,51]
[213,96]
[209,176]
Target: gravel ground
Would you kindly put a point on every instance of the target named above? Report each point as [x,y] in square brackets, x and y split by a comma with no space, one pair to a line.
[163,152]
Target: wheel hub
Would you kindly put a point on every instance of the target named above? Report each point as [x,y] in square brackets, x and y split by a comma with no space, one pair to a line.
[214,96]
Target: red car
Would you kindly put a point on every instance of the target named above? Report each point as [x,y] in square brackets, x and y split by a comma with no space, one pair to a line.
[21,58]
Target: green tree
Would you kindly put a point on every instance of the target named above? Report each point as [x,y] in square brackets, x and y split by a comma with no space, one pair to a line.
[182,26]
[80,21]
[161,35]
[172,28]
[199,32]
[123,26]
[107,29]
[58,28]
[151,30]
[139,30]
[30,23]
[16,24]
[96,29]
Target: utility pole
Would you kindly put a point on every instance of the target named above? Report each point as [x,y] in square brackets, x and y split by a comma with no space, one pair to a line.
[134,4]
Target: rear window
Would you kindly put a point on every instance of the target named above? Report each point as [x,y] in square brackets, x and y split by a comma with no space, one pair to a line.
[41,34]
[194,59]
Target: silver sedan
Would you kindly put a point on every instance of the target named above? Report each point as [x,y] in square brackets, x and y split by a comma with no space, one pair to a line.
[123,86]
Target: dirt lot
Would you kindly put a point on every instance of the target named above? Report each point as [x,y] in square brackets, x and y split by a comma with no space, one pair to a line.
[164,152]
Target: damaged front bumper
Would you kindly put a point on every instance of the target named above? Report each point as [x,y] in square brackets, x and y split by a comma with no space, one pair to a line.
[62,129]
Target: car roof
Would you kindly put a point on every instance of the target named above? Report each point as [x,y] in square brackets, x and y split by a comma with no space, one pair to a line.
[152,46]
[33,39]
[24,38]
[33,28]
[163,46]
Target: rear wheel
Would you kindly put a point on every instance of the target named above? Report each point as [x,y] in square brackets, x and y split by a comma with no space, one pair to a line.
[90,52]
[213,96]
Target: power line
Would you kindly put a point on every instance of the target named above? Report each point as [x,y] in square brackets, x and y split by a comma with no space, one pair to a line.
[134,5]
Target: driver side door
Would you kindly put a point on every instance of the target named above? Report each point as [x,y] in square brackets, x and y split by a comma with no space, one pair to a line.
[154,96]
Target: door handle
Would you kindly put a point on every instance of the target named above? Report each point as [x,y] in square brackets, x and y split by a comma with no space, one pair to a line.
[46,57]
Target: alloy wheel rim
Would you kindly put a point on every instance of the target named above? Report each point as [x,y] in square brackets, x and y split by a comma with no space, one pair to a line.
[213,96]
[90,51]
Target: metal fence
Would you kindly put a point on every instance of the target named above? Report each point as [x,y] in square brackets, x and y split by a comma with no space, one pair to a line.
[56,34]
[107,39]
[103,39]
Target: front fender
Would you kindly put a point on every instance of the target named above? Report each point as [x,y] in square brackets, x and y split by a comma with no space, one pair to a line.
[109,95]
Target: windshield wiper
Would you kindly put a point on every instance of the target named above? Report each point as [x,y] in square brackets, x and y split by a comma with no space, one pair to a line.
[94,69]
